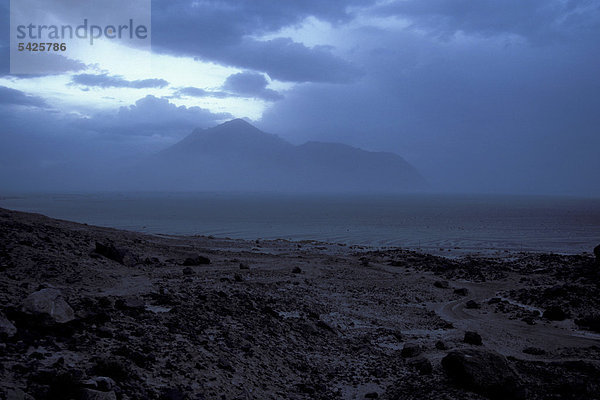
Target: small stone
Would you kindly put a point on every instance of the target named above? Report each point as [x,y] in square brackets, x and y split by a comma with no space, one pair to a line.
[529,320]
[91,394]
[473,338]
[494,300]
[131,303]
[535,351]
[422,365]
[410,350]
[472,304]
[441,284]
[197,260]
[461,291]
[372,395]
[296,270]
[188,271]
[244,266]
[440,345]
[6,327]
[238,278]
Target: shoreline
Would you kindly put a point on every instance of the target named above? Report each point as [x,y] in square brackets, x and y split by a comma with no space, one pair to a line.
[285,319]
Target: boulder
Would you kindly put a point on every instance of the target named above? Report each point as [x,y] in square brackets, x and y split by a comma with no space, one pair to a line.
[473,338]
[49,302]
[483,371]
[109,251]
[7,329]
[555,313]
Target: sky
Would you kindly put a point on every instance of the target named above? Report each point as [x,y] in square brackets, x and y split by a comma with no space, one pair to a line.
[480,96]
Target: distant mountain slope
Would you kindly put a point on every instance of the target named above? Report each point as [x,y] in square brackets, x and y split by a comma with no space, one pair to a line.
[238,156]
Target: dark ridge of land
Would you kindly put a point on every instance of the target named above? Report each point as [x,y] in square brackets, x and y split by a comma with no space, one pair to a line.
[98,313]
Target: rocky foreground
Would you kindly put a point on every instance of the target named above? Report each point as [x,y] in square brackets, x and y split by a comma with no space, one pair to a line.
[96,313]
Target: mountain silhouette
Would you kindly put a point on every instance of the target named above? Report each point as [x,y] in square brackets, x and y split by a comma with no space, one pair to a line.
[236,156]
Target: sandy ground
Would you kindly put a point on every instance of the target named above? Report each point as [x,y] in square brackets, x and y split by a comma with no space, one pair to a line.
[296,320]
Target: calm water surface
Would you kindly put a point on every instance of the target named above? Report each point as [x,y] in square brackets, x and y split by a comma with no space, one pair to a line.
[435,223]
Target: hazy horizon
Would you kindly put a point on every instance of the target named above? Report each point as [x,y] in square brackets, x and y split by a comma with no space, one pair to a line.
[486,97]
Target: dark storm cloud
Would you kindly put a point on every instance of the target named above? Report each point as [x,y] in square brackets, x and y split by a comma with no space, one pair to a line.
[220,32]
[106,81]
[152,116]
[540,21]
[251,84]
[477,112]
[13,97]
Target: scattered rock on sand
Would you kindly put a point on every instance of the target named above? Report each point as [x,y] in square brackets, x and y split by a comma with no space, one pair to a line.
[49,302]
[196,260]
[484,372]
[473,338]
[461,291]
[441,284]
[411,350]
[555,313]
[472,304]
[6,327]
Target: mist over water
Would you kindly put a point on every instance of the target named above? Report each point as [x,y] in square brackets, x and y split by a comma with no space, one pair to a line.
[440,224]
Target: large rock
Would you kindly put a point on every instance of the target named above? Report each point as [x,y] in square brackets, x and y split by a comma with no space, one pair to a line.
[49,302]
[6,327]
[555,313]
[597,254]
[111,252]
[483,371]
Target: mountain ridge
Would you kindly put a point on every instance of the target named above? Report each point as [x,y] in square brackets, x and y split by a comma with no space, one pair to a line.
[236,155]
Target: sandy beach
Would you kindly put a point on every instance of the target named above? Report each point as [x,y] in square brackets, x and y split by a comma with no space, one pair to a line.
[99,313]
